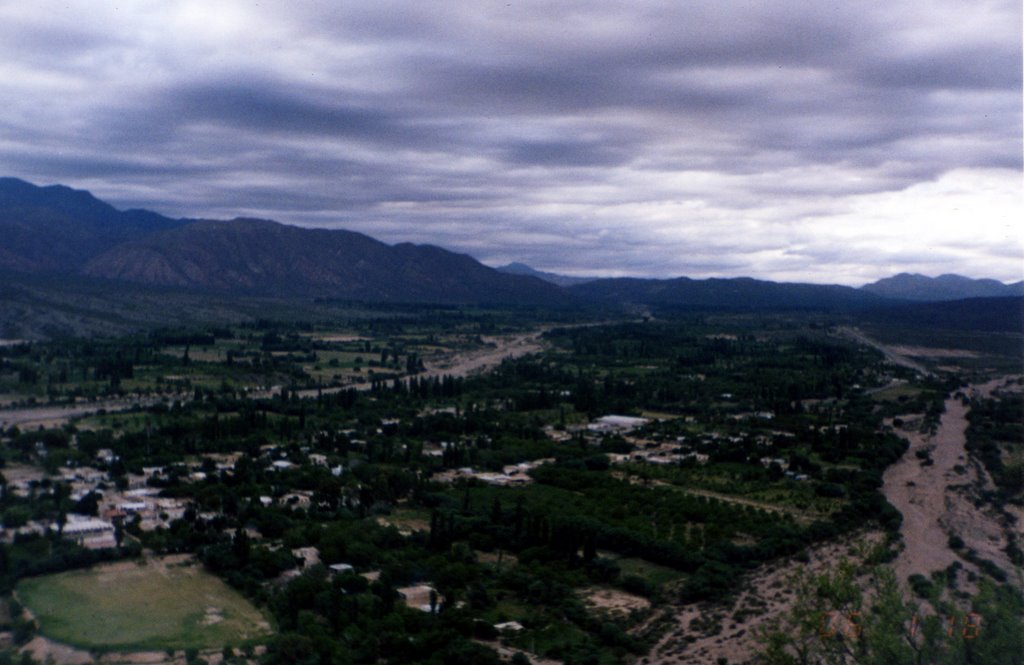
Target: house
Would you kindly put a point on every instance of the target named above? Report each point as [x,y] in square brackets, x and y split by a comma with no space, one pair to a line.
[419,597]
[310,556]
[106,455]
[80,526]
[614,423]
[298,499]
[88,531]
[508,626]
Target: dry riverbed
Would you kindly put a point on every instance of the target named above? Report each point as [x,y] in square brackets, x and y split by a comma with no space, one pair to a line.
[936,499]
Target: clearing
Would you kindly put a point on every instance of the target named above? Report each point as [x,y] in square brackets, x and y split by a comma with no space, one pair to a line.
[614,602]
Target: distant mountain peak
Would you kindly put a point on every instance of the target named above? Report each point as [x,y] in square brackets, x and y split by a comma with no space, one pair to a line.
[57,228]
[948,286]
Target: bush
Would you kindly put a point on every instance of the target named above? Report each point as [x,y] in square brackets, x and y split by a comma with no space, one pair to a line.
[638,585]
[920,585]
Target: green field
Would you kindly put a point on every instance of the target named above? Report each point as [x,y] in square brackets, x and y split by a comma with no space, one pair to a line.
[129,606]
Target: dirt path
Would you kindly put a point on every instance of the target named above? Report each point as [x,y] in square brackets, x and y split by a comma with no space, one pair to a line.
[805,516]
[802,515]
[936,500]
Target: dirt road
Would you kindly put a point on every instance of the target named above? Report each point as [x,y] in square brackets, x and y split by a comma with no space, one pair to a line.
[803,516]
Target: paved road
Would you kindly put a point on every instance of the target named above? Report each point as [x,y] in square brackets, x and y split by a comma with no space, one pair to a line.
[887,351]
[56,415]
[459,364]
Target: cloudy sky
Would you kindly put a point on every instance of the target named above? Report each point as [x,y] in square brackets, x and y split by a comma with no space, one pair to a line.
[793,140]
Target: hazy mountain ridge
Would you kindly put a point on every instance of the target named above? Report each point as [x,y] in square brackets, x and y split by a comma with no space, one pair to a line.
[741,292]
[908,286]
[559,280]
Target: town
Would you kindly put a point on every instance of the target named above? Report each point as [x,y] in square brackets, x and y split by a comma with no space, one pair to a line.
[564,503]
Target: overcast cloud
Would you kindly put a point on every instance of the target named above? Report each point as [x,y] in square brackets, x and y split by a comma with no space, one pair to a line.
[788,140]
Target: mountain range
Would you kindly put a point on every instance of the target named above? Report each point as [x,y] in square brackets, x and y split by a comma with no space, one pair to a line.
[59,232]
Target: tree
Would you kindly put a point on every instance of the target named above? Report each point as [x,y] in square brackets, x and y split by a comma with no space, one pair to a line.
[88,504]
[119,530]
[60,500]
[240,546]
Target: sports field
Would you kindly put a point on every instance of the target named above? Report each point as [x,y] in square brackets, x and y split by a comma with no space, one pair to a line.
[168,603]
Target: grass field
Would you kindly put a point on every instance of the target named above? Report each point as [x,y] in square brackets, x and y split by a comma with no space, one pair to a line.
[164,604]
[655,574]
[895,393]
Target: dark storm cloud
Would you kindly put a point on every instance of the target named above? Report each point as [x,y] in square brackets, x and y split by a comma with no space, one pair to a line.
[263,107]
[566,153]
[702,138]
[979,68]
